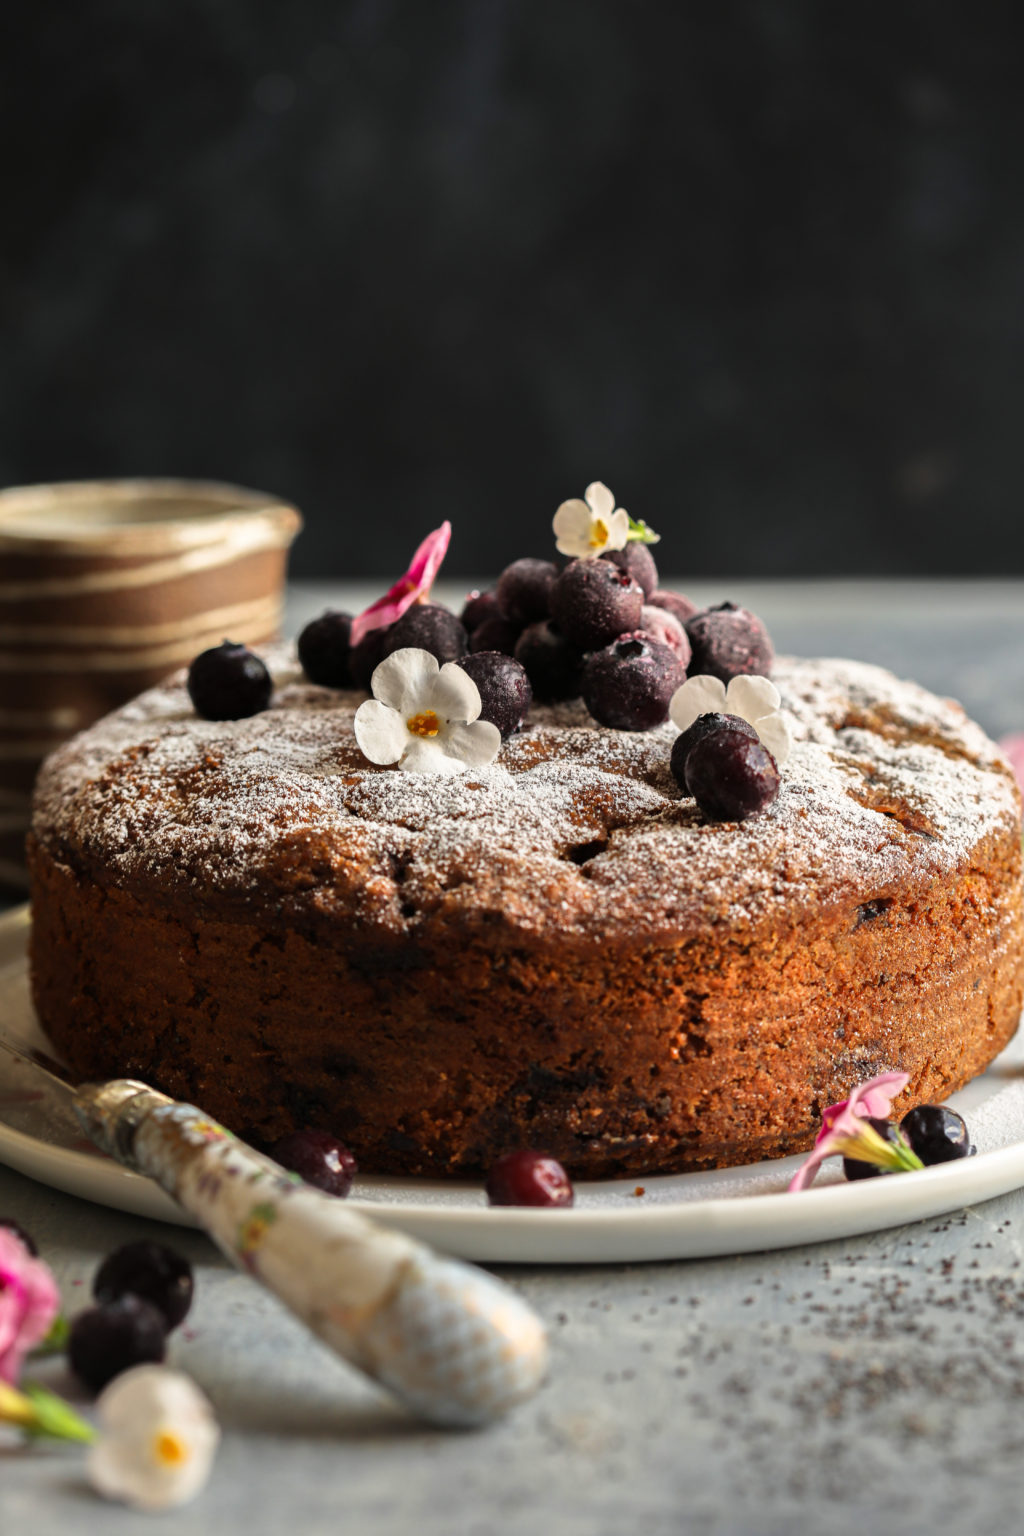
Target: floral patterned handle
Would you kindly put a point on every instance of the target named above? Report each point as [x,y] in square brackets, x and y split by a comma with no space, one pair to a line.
[457,1346]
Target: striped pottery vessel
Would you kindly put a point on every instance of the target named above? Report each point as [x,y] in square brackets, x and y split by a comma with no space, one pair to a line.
[105,588]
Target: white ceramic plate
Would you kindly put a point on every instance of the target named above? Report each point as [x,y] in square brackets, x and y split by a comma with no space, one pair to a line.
[736,1210]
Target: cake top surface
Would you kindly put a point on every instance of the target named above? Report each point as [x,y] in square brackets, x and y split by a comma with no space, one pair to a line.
[575,827]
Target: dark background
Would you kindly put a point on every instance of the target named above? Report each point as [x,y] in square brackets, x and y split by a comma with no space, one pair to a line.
[758,266]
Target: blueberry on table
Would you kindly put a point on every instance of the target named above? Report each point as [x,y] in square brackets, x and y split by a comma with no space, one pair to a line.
[704,725]
[728,642]
[628,685]
[324,647]
[854,1168]
[319,1158]
[593,601]
[151,1271]
[428,627]
[111,1338]
[229,682]
[524,590]
[730,776]
[504,688]
[936,1134]
[528,1178]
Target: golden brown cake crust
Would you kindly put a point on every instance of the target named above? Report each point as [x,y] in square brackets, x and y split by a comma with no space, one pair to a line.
[553,951]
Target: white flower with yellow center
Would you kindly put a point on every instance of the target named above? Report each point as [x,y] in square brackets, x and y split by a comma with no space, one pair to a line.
[157,1439]
[591,527]
[424,717]
[753,699]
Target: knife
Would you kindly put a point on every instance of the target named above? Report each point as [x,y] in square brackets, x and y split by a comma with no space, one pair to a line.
[454,1344]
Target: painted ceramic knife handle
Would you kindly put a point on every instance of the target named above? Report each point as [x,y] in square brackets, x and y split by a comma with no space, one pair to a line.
[456,1345]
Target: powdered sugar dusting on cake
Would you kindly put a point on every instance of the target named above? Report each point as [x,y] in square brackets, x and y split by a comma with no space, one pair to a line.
[573,824]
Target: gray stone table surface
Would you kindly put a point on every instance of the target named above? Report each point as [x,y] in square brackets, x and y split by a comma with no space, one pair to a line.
[873,1383]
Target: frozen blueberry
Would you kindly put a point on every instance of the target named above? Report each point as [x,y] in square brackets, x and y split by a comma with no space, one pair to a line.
[553,665]
[504,688]
[854,1168]
[319,1159]
[229,682]
[729,642]
[150,1270]
[112,1337]
[704,725]
[936,1134]
[664,627]
[674,603]
[524,590]
[431,628]
[593,601]
[730,776]
[628,685]
[324,649]
[637,561]
[495,634]
[364,657]
[528,1178]
[477,607]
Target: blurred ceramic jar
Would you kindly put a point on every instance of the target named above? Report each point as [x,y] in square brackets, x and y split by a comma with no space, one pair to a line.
[105,588]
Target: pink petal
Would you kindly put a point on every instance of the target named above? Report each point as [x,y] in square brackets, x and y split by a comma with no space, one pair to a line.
[1013,746]
[872,1099]
[29,1302]
[413,587]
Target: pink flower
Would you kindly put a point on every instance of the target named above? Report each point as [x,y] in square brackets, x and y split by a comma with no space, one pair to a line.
[29,1302]
[413,587]
[844,1130]
[1013,746]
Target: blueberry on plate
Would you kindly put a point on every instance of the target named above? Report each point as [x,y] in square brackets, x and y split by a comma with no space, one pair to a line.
[936,1134]
[528,1178]
[854,1168]
[319,1158]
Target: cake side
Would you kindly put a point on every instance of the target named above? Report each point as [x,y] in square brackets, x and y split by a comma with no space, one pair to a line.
[555,950]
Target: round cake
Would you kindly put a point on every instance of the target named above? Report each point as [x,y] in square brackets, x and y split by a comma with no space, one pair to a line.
[557,950]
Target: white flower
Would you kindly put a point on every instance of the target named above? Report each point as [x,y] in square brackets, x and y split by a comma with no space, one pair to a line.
[157,1441]
[754,699]
[588,528]
[424,717]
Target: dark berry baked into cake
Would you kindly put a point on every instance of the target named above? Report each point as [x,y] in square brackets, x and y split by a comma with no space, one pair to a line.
[587,935]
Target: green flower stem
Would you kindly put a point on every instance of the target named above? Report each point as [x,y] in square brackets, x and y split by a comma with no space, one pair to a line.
[867,1146]
[41,1414]
[56,1341]
[640,533]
